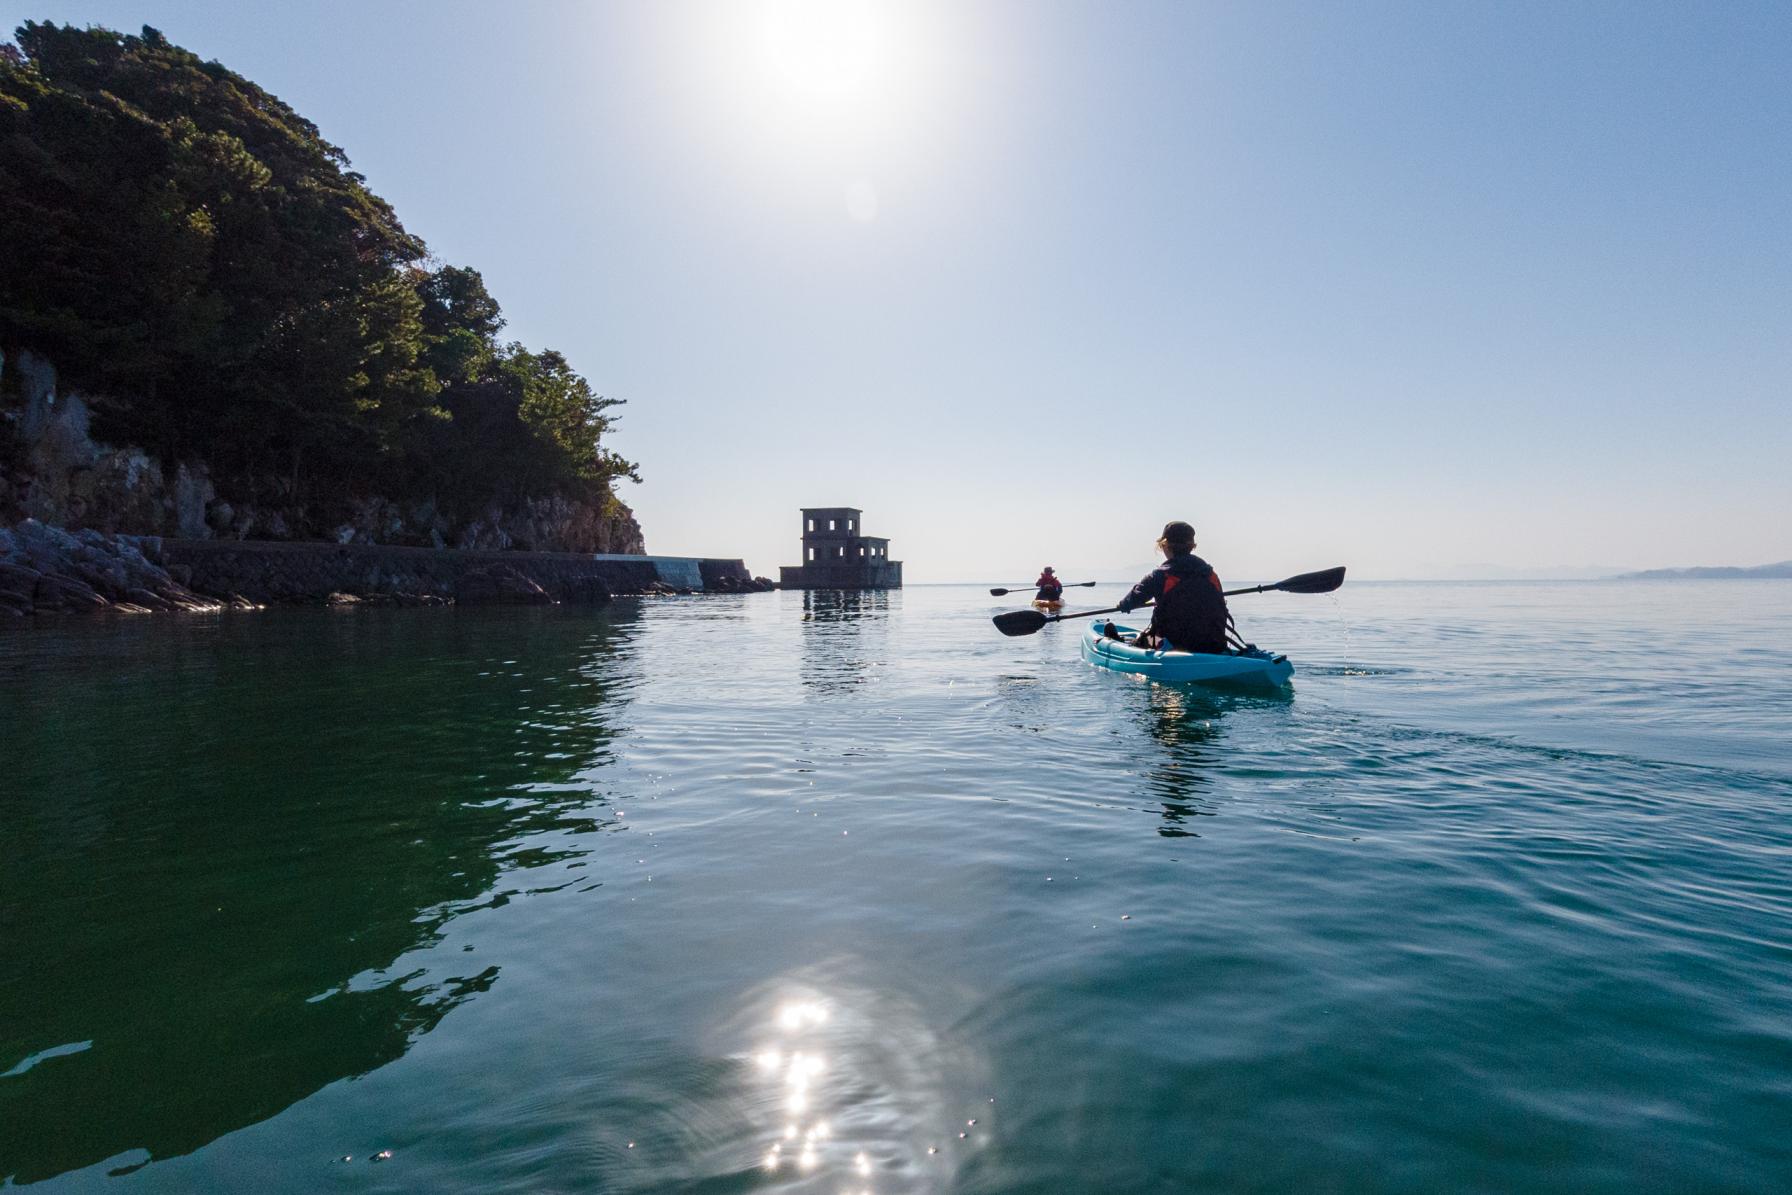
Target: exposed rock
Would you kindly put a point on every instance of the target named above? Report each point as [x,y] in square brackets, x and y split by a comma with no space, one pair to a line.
[501,585]
[148,600]
[589,591]
[18,586]
[717,581]
[193,491]
[46,569]
[122,491]
[485,534]
[66,593]
[58,473]
[37,392]
[553,524]
[375,521]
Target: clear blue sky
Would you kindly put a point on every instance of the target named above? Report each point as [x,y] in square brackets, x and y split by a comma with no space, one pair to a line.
[1407,286]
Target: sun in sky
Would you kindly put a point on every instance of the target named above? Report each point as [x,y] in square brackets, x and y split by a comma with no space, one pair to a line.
[828,92]
[828,53]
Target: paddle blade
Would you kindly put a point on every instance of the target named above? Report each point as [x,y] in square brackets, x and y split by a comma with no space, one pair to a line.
[999,592]
[1085,585]
[1320,582]
[1019,622]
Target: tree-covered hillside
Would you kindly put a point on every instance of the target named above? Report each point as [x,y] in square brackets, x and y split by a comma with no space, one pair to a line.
[191,252]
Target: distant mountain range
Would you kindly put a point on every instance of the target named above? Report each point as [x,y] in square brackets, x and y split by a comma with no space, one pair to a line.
[1777,572]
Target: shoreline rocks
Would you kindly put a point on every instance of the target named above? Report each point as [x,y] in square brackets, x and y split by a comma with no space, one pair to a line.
[45,569]
[501,585]
[50,570]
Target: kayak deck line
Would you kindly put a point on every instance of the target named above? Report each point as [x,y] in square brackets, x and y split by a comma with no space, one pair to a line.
[1254,667]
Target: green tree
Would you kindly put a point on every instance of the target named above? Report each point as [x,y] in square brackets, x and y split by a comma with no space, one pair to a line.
[193,253]
[565,417]
[181,237]
[461,322]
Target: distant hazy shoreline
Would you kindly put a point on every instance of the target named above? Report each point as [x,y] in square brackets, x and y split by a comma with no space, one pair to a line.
[1760,572]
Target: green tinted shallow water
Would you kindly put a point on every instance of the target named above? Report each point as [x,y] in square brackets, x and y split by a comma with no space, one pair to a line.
[788,892]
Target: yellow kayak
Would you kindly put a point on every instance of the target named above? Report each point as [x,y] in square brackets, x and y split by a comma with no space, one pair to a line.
[1049,604]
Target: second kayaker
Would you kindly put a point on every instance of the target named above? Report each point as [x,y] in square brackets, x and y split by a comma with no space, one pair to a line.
[1050,588]
[1190,611]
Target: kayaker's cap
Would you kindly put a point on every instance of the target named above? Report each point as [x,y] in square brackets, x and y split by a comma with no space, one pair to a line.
[1048,568]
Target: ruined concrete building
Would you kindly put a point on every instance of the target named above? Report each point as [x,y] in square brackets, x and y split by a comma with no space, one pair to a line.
[837,556]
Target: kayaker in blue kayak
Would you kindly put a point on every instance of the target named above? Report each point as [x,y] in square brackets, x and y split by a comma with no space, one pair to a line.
[1189,613]
[1050,588]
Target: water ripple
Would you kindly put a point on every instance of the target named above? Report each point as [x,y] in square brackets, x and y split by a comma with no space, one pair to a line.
[844,892]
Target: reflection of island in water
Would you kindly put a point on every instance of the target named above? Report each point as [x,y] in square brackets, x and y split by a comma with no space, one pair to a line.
[843,637]
[217,920]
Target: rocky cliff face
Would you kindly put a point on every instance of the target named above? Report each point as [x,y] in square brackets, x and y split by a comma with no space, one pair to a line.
[59,475]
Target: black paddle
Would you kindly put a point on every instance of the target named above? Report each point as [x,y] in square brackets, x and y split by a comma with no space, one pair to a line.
[1025,622]
[1072,585]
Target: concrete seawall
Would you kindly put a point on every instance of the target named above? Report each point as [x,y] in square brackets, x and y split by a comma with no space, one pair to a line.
[285,572]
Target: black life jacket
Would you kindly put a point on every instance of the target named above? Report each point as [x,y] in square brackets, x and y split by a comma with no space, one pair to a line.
[1191,612]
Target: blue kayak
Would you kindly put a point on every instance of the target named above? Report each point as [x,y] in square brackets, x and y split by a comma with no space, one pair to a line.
[1255,667]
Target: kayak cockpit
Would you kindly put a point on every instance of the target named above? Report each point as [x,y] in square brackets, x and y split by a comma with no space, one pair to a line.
[1252,666]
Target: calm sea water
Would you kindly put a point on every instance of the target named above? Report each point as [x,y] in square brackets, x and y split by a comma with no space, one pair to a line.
[849,893]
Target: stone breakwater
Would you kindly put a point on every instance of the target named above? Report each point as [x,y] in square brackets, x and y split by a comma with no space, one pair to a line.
[46,569]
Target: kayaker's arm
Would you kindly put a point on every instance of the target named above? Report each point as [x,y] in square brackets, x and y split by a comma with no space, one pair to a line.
[1145,592]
